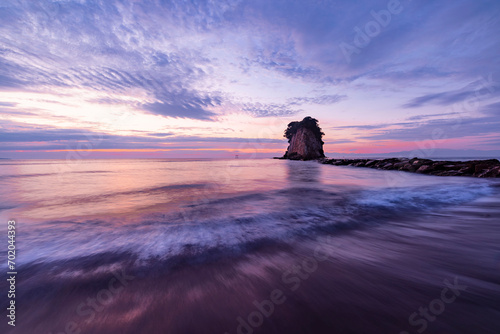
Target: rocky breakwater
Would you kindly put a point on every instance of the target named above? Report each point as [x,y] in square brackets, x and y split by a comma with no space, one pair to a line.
[304,140]
[477,168]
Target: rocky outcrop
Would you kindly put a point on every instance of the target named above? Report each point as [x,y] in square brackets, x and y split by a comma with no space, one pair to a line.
[305,140]
[304,146]
[477,168]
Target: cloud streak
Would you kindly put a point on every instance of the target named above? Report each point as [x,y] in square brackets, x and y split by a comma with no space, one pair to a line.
[75,139]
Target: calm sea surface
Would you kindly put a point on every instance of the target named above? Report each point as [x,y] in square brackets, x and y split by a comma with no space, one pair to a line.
[248,246]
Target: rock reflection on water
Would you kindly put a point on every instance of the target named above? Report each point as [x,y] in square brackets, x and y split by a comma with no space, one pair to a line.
[303,171]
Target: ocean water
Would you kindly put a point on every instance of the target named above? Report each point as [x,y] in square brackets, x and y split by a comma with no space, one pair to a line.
[248,246]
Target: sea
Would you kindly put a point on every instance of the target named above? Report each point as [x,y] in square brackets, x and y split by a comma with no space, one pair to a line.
[246,246]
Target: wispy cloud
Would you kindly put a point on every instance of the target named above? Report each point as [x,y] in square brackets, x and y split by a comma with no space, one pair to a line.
[424,117]
[322,100]
[184,105]
[443,99]
[76,139]
[291,106]
[446,128]
[269,109]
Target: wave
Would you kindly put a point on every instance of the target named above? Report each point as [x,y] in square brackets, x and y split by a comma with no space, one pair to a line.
[9,176]
[12,176]
[236,224]
[143,191]
[6,207]
[232,200]
[425,197]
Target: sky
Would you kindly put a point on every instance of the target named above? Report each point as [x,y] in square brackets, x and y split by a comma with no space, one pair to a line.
[206,78]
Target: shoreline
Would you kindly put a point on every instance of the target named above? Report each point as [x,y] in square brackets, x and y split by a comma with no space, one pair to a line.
[476,168]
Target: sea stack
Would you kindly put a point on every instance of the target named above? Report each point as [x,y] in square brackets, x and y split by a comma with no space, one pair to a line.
[304,140]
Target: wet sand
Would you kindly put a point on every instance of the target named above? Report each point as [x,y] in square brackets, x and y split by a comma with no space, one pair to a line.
[369,279]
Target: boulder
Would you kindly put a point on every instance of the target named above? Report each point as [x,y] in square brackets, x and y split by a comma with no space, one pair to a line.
[424,169]
[305,140]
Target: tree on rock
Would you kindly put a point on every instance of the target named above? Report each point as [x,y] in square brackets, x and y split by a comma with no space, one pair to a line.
[309,123]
